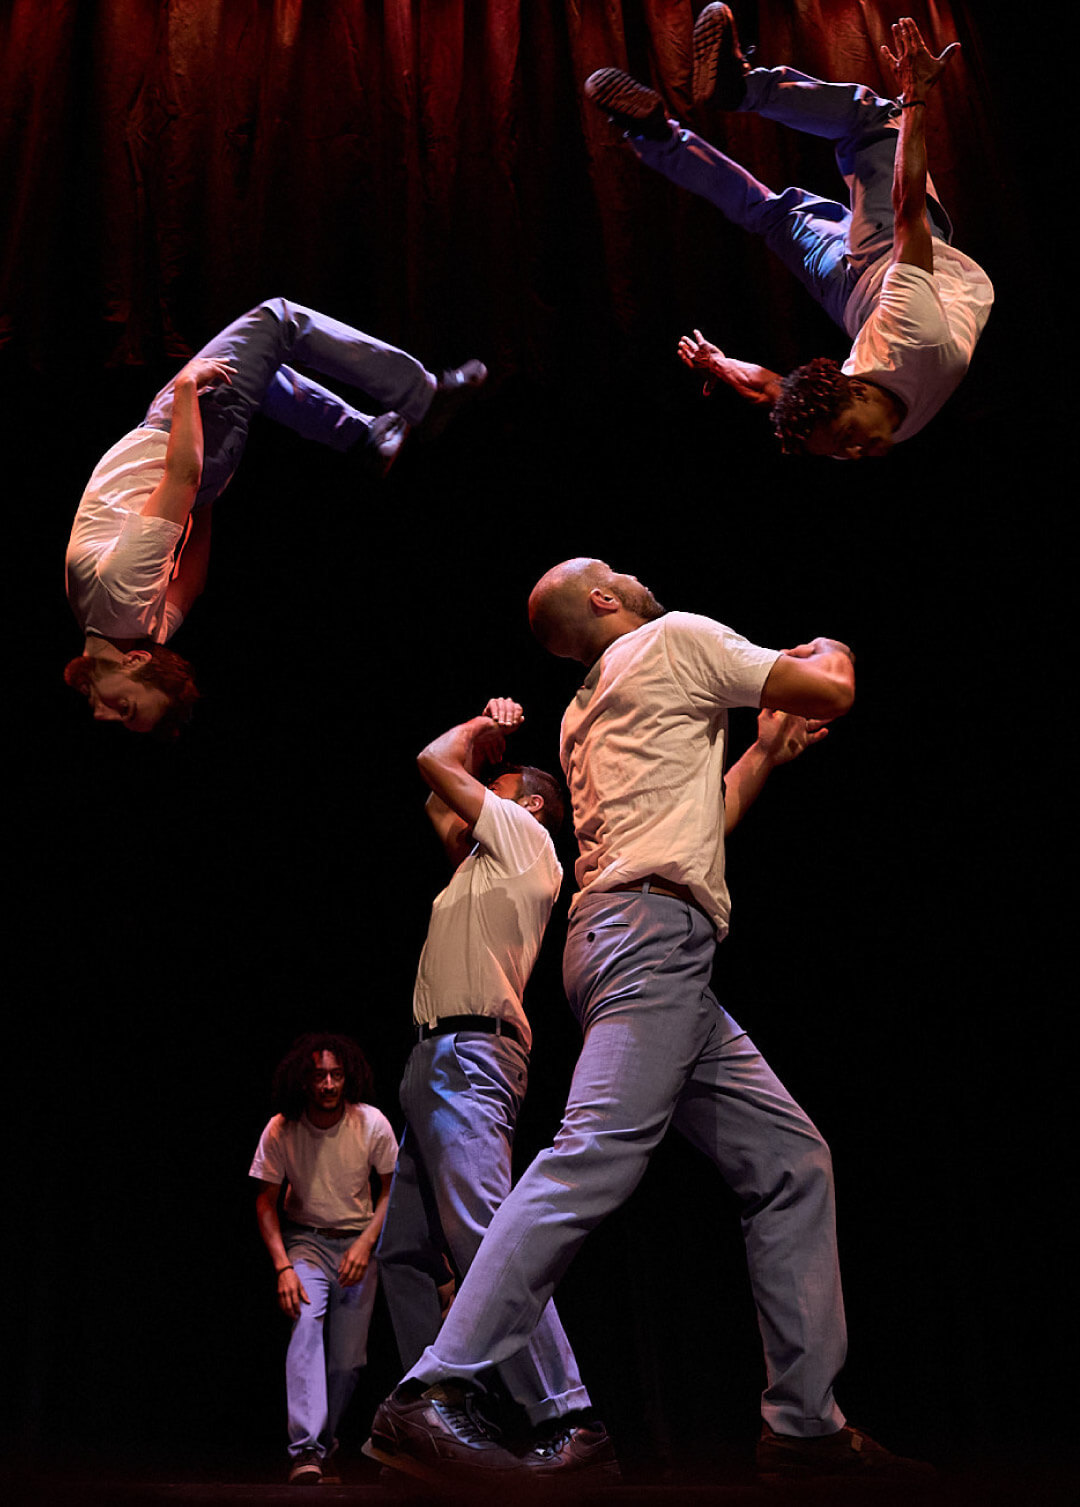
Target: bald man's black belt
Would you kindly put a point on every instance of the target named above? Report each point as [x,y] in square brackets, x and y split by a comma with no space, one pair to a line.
[490,1025]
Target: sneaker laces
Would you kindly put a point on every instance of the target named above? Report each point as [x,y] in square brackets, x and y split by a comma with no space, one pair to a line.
[553,1443]
[465,1419]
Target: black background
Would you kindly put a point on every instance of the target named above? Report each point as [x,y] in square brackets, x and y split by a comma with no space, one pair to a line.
[178,915]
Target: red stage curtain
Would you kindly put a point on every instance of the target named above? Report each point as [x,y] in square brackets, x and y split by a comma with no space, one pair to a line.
[427,166]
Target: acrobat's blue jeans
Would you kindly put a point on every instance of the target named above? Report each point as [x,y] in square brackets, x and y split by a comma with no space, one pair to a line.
[461,1094]
[259,344]
[660,1050]
[825,244]
[328,1346]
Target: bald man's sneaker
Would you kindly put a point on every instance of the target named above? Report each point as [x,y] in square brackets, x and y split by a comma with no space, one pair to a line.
[849,1453]
[633,107]
[720,68]
[562,1447]
[439,1435]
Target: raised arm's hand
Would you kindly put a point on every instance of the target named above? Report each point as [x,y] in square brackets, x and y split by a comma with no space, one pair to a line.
[755,383]
[487,743]
[782,736]
[914,67]
[506,713]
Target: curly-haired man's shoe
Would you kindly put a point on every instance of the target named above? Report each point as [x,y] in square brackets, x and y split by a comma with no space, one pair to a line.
[439,1435]
[562,1446]
[633,107]
[847,1453]
[720,68]
[306,1470]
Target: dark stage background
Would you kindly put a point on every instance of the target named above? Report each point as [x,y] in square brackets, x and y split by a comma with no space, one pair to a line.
[429,171]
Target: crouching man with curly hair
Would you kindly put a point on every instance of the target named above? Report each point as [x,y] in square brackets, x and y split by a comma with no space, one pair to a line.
[320,1226]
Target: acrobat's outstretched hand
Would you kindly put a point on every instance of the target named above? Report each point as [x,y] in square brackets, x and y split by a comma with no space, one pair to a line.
[914,66]
[755,383]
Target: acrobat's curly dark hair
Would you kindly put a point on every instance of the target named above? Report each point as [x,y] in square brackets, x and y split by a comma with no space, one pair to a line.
[288,1092]
[810,395]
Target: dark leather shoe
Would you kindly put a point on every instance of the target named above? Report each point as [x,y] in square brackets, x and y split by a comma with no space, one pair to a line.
[720,68]
[306,1470]
[438,1435]
[633,107]
[455,387]
[561,1448]
[383,445]
[849,1453]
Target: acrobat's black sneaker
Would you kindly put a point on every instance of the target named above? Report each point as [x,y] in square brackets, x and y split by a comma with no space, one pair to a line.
[720,68]
[632,106]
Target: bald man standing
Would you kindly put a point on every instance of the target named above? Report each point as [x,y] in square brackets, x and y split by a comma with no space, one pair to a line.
[643,747]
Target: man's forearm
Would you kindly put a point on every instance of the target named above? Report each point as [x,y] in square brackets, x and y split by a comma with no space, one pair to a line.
[743,783]
[750,379]
[453,747]
[909,173]
[815,680]
[189,575]
[448,765]
[270,1230]
[184,456]
[378,1218]
[916,71]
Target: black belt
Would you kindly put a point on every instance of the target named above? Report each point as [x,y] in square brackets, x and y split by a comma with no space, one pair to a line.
[315,1229]
[490,1025]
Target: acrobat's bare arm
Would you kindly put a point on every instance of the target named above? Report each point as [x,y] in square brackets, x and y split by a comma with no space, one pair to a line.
[781,737]
[916,71]
[756,383]
[175,494]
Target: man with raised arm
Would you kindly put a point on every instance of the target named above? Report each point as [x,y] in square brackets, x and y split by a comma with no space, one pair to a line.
[467,1074]
[643,749]
[140,543]
[883,267]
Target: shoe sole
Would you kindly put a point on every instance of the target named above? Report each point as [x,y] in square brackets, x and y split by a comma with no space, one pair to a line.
[707,41]
[611,89]
[449,1485]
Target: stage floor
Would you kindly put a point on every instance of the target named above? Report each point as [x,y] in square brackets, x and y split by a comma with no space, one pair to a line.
[991,1488]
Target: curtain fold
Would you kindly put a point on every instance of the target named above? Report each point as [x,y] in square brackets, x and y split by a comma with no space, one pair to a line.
[429,167]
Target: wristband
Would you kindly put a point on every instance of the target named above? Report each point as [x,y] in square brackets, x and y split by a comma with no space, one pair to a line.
[288,1267]
[909,104]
